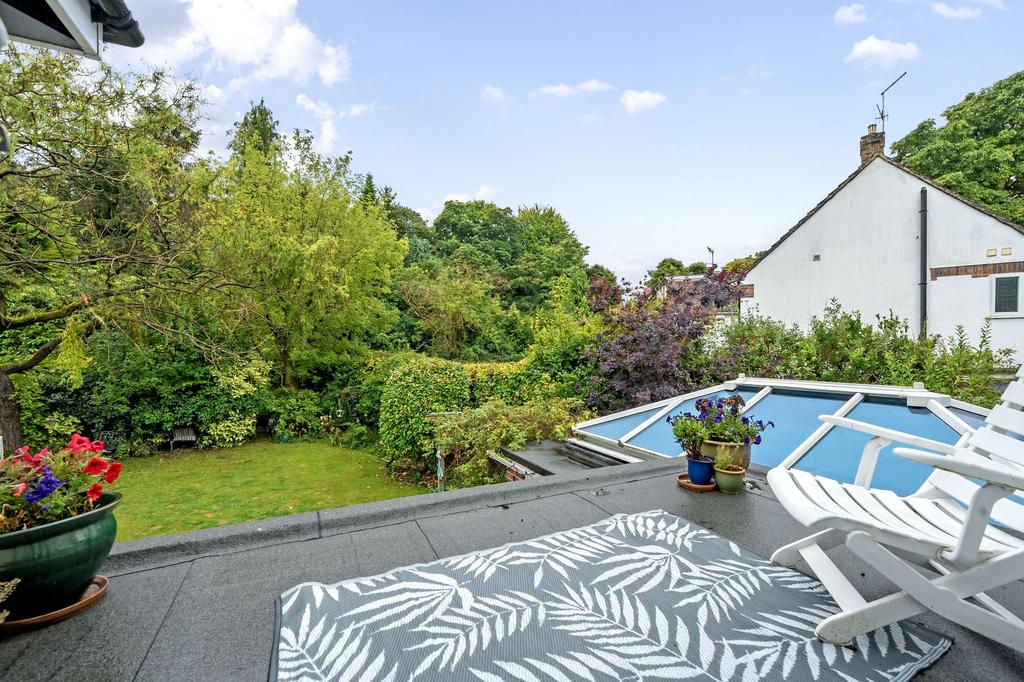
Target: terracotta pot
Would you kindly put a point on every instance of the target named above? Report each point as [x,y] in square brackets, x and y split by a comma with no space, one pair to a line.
[739,452]
[730,479]
[56,561]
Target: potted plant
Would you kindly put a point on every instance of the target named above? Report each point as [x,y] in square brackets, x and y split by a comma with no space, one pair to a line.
[728,476]
[690,433]
[56,523]
[718,428]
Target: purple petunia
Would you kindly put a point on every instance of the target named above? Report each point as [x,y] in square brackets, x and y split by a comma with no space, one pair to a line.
[757,439]
[42,487]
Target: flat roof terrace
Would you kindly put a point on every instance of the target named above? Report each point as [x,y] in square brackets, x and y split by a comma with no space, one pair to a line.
[201,605]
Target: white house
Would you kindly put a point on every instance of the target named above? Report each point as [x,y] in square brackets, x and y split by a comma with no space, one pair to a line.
[889,239]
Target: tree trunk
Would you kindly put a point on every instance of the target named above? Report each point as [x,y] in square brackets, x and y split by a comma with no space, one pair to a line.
[10,416]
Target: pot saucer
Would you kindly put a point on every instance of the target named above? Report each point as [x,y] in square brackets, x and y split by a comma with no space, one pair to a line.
[684,482]
[92,594]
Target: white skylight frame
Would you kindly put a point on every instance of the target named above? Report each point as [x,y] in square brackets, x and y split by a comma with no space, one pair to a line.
[914,396]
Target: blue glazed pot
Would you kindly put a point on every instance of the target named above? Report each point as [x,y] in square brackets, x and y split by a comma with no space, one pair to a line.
[700,470]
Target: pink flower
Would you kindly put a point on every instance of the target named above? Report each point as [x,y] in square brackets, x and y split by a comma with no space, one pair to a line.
[97,446]
[19,489]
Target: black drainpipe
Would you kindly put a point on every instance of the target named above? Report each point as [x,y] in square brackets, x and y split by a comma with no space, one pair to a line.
[924,259]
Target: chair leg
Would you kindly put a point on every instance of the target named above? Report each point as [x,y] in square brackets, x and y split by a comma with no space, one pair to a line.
[789,555]
[945,596]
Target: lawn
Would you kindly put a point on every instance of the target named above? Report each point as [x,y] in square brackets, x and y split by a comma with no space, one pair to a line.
[191,489]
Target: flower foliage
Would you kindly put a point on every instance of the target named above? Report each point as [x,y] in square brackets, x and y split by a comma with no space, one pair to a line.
[719,420]
[49,486]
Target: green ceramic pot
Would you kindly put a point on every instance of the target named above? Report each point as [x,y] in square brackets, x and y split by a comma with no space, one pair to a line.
[730,480]
[56,561]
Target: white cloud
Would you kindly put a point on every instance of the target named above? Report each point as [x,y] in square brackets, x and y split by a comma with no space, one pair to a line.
[851,14]
[485,193]
[565,90]
[492,94]
[877,51]
[635,101]
[328,117]
[594,85]
[948,12]
[560,90]
[994,4]
[252,40]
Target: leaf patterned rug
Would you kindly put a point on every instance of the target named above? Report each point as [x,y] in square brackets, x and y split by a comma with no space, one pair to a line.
[635,597]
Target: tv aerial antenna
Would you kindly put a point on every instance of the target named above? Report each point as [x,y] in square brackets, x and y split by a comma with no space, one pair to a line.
[882,115]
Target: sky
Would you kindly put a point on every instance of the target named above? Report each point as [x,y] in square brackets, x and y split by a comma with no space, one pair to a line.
[655,128]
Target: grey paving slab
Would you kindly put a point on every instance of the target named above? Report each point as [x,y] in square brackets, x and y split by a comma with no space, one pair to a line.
[453,534]
[220,626]
[107,642]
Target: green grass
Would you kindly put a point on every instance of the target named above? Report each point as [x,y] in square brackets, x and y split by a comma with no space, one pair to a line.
[192,489]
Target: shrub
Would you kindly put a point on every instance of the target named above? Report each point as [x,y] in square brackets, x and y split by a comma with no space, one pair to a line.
[415,388]
[234,430]
[467,437]
[295,414]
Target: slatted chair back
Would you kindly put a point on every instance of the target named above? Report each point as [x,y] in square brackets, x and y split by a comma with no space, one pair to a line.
[1002,440]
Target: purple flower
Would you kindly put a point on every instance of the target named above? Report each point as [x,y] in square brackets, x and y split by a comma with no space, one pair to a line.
[746,440]
[745,421]
[42,487]
[757,440]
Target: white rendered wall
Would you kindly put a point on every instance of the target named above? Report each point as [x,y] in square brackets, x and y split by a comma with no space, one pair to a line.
[867,239]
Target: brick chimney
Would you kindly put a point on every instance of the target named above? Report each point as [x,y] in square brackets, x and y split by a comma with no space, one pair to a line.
[872,144]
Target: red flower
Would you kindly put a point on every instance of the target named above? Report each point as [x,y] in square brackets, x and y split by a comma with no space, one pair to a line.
[79,443]
[97,446]
[96,465]
[23,451]
[113,471]
[94,492]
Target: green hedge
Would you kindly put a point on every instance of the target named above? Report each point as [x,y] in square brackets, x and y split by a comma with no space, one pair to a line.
[415,388]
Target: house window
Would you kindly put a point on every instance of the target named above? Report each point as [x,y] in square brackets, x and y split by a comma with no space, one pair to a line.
[1006,297]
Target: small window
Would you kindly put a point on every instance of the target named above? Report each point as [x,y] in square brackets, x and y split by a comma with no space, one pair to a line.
[1007,295]
[817,256]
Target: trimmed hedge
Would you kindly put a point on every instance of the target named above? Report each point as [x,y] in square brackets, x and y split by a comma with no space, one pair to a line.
[416,387]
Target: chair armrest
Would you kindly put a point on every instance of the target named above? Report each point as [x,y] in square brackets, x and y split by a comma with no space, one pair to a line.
[890,434]
[967,464]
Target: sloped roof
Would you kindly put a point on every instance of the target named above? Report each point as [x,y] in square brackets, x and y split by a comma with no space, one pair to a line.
[931,183]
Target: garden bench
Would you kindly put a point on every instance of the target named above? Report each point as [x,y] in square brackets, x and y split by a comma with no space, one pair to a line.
[184,434]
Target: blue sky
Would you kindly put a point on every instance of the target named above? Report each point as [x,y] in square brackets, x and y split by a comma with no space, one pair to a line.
[655,128]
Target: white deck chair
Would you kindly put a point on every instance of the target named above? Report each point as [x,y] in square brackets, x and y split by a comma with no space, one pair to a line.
[958,526]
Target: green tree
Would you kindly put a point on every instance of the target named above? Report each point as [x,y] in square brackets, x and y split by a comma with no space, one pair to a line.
[463,317]
[548,249]
[979,152]
[598,271]
[96,211]
[315,265]
[667,267]
[697,268]
[369,194]
[257,127]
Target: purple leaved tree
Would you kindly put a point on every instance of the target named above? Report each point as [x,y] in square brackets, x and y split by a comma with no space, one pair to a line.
[647,352]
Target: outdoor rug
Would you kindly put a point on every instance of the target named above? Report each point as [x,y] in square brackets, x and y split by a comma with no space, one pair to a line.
[635,597]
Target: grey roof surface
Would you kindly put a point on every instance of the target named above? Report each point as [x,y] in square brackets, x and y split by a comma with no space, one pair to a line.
[200,606]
